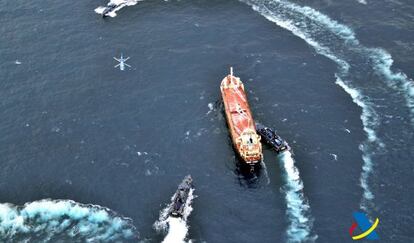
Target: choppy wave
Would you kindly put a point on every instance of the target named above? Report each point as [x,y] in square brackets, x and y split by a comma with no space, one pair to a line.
[338,42]
[175,228]
[51,220]
[298,210]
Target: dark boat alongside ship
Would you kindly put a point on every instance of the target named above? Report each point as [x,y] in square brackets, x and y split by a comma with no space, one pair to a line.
[272,139]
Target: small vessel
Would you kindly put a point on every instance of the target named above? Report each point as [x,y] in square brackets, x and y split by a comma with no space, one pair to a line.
[240,120]
[113,6]
[110,9]
[180,197]
[272,139]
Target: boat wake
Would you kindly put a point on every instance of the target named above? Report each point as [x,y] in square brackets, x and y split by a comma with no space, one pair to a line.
[383,61]
[370,121]
[298,209]
[176,228]
[339,43]
[57,220]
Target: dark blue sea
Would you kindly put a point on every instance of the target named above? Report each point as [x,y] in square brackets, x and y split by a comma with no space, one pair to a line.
[89,153]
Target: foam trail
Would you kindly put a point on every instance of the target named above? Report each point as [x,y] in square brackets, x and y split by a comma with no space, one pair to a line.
[397,80]
[298,210]
[338,42]
[370,121]
[49,220]
[293,27]
[177,231]
[176,228]
[313,27]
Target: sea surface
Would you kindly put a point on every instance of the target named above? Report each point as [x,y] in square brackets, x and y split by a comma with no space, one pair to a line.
[89,153]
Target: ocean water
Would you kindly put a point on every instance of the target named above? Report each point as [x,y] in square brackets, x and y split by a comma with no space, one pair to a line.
[90,153]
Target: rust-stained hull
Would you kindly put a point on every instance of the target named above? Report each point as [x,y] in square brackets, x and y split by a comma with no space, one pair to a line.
[240,120]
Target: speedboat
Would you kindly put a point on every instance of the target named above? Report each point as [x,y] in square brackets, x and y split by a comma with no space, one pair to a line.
[180,197]
[272,139]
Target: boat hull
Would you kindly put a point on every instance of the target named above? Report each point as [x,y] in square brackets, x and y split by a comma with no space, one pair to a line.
[180,198]
[272,138]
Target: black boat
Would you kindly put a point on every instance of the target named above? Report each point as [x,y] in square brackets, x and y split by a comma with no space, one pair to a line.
[272,139]
[180,197]
[113,6]
[110,7]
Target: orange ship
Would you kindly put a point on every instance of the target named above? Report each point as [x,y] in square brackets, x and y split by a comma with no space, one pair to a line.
[240,119]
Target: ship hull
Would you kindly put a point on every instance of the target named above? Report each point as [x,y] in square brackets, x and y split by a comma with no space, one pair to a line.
[240,120]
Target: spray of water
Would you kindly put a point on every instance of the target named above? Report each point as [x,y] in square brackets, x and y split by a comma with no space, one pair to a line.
[176,228]
[48,220]
[177,231]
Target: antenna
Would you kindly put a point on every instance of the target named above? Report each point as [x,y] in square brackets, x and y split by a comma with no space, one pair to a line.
[231,71]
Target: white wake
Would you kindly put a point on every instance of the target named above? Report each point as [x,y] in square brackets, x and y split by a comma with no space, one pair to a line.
[52,219]
[298,210]
[177,231]
[370,121]
[176,228]
[326,35]
[311,25]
